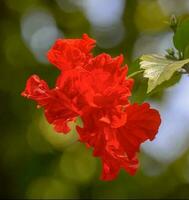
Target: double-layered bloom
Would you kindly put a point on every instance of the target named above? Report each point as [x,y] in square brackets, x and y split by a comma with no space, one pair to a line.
[96,90]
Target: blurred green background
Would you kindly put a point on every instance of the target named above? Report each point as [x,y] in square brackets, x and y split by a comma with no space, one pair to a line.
[36,162]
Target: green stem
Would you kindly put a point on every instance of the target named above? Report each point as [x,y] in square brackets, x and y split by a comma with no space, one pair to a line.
[135,73]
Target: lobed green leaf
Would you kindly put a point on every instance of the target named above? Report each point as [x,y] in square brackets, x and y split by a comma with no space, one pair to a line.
[159,69]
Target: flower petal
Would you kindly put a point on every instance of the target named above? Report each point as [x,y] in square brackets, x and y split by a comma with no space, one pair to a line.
[142,124]
[71,53]
[37,89]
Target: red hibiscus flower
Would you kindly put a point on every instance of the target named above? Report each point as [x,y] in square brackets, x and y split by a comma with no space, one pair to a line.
[96,90]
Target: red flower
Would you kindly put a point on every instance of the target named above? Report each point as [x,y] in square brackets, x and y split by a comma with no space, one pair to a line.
[97,90]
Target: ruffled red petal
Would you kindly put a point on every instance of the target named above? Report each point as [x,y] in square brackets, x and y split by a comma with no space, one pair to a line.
[37,89]
[112,166]
[71,53]
[142,124]
[59,108]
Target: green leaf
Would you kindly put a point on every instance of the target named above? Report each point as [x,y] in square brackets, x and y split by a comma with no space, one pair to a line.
[159,69]
[181,37]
